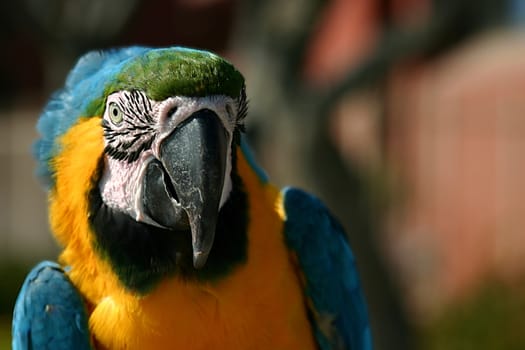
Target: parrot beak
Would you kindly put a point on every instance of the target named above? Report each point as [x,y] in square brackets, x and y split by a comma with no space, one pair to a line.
[183,188]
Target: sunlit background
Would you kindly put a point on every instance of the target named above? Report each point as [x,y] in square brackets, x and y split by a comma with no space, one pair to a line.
[407,117]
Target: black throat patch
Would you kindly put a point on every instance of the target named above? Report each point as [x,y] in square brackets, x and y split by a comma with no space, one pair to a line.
[141,255]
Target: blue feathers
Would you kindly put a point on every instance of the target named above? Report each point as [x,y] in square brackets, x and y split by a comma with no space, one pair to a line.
[248,154]
[338,310]
[49,312]
[85,83]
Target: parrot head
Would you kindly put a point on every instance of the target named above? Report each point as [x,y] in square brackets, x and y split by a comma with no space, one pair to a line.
[162,127]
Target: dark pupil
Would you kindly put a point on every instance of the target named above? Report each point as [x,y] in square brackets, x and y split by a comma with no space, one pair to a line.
[115,112]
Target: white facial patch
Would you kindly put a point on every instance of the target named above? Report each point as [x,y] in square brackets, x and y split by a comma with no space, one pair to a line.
[121,183]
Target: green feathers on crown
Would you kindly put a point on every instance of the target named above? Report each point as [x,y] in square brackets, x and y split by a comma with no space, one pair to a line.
[162,73]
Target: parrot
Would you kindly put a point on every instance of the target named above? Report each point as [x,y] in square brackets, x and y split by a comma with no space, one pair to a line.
[171,235]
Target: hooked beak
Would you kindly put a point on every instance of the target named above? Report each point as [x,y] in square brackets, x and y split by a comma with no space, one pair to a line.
[182,189]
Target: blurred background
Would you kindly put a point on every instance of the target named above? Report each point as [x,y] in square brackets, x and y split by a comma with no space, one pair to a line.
[407,117]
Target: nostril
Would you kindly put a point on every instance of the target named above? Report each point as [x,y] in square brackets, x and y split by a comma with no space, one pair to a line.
[172,111]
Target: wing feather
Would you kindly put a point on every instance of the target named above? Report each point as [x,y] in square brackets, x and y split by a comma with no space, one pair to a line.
[337,307]
[49,312]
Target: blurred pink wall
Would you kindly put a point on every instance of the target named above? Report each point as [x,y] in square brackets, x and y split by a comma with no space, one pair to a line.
[457,137]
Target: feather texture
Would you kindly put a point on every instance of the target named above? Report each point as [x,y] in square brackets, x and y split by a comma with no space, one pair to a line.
[49,312]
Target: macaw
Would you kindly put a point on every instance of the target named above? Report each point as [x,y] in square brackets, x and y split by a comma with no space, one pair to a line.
[172,236]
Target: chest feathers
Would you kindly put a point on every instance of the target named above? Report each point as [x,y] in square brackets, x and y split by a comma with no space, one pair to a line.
[258,305]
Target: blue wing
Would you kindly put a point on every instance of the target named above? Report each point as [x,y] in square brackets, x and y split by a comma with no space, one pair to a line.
[337,308]
[49,312]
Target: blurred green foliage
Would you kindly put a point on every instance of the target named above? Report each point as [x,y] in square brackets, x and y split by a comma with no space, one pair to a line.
[12,275]
[5,333]
[491,319]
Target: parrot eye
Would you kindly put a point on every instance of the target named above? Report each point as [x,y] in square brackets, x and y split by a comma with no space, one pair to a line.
[115,114]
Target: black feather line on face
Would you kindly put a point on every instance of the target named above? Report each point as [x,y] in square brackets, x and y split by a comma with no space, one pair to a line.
[126,155]
[137,105]
[242,108]
[123,141]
